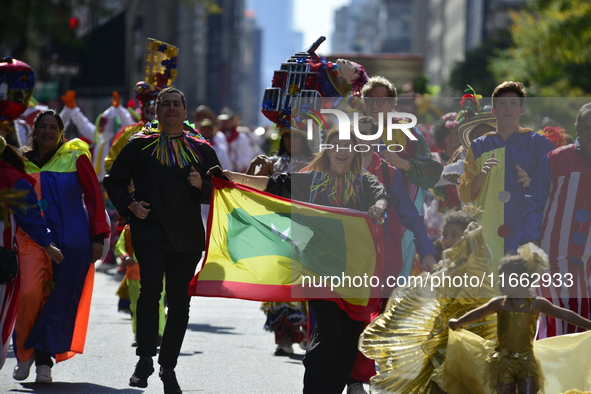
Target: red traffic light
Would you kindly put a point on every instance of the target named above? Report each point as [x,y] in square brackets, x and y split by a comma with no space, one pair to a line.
[73,23]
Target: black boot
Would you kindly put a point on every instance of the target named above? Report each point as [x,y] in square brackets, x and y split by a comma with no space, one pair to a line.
[171,385]
[143,369]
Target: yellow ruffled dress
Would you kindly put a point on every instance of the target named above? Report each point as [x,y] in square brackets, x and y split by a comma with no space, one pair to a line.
[514,359]
[410,338]
[564,361]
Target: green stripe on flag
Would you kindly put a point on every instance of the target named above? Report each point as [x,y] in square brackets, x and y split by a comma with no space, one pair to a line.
[318,243]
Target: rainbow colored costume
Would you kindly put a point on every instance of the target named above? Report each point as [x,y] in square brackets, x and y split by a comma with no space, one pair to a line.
[55,320]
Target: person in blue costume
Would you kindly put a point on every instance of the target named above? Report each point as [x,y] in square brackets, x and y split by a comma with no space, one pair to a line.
[418,168]
[497,170]
[55,298]
[25,215]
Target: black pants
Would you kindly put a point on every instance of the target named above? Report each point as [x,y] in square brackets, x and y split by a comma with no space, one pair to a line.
[179,268]
[332,349]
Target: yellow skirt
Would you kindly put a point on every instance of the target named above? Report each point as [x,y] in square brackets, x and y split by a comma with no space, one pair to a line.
[564,361]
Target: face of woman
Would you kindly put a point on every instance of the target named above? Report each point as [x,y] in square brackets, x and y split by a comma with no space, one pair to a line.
[341,155]
[452,140]
[47,134]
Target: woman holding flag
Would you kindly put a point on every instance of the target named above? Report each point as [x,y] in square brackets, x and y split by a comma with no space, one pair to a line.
[335,179]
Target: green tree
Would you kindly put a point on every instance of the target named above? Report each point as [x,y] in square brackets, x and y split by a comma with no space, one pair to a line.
[552,48]
[474,70]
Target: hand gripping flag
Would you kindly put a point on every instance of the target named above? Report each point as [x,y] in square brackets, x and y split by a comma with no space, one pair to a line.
[267,248]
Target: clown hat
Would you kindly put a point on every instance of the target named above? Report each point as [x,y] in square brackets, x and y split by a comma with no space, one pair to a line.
[468,124]
[160,67]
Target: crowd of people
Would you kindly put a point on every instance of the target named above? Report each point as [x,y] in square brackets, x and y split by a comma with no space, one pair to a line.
[522,188]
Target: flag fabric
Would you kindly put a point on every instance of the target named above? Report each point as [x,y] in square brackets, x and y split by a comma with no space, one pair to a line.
[262,247]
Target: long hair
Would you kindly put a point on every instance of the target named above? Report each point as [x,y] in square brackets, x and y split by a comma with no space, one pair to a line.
[321,161]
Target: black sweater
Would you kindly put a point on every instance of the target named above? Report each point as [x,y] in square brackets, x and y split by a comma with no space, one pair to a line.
[174,221]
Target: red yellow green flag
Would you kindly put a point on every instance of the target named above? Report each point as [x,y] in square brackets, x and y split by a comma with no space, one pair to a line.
[267,248]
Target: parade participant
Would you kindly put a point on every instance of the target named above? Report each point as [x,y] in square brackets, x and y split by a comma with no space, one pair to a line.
[53,323]
[100,133]
[335,179]
[512,365]
[496,168]
[16,89]
[168,168]
[27,217]
[418,167]
[557,217]
[404,213]
[408,340]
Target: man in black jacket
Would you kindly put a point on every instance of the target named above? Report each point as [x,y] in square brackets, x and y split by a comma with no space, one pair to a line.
[168,168]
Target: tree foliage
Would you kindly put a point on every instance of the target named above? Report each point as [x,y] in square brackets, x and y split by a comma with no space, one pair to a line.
[474,69]
[552,48]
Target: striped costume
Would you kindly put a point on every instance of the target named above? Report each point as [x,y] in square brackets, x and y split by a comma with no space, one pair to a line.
[558,213]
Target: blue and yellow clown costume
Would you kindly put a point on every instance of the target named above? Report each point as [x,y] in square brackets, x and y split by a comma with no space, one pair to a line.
[55,298]
[501,197]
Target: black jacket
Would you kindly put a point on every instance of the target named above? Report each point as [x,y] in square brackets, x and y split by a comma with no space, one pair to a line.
[174,221]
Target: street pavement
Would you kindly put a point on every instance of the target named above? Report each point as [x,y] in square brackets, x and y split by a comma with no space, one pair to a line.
[226,350]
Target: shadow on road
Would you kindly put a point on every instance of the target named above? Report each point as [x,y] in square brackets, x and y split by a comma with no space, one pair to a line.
[212,329]
[74,388]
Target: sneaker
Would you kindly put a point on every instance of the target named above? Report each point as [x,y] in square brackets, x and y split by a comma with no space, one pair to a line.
[171,385]
[43,374]
[143,369]
[284,350]
[134,342]
[21,371]
[356,388]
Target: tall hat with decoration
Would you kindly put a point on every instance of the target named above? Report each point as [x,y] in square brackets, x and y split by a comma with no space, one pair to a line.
[160,69]
[17,80]
[295,96]
[472,116]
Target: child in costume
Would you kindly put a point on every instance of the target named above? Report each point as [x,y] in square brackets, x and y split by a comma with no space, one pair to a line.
[409,339]
[512,366]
